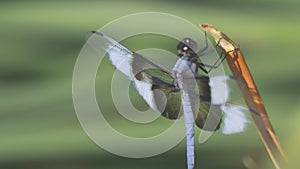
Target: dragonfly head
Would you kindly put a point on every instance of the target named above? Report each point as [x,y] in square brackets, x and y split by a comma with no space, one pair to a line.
[187,46]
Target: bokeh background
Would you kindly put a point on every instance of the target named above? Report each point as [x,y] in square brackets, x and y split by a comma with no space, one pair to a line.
[39,44]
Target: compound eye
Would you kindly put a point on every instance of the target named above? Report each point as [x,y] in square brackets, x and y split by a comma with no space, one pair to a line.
[187,44]
[186,41]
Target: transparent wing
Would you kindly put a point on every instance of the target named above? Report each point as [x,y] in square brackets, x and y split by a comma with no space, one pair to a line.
[228,117]
[153,82]
[226,93]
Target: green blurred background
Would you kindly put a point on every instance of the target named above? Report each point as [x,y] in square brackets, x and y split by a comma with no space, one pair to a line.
[39,44]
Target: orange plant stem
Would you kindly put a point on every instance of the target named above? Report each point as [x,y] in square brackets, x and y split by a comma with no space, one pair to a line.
[250,93]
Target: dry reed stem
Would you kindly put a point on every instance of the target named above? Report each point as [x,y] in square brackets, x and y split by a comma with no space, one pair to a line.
[251,95]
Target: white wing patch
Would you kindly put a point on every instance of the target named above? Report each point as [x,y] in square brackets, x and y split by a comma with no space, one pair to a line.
[122,60]
[219,89]
[146,92]
[235,120]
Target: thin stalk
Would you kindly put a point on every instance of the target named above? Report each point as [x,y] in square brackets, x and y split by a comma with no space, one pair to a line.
[240,71]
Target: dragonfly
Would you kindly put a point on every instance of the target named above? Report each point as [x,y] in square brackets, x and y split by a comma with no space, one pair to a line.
[186,90]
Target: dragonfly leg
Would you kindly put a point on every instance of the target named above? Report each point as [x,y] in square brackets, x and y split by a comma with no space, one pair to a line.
[219,60]
[254,112]
[205,50]
[202,51]
[202,67]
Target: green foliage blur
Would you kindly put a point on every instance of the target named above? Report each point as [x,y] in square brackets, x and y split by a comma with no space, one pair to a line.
[39,44]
